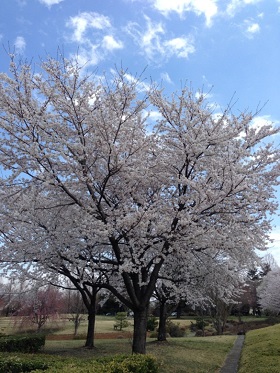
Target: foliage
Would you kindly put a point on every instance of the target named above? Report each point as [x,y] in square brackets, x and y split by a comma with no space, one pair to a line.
[175,330]
[18,364]
[179,355]
[152,323]
[121,320]
[22,343]
[116,364]
[260,353]
[133,364]
[200,323]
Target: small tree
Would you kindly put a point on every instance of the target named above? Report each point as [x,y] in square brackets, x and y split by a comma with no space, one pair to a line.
[76,309]
[121,320]
[41,305]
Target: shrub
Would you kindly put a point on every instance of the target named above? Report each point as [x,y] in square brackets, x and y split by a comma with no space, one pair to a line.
[121,320]
[118,364]
[154,334]
[174,330]
[15,364]
[152,323]
[131,364]
[200,323]
[22,343]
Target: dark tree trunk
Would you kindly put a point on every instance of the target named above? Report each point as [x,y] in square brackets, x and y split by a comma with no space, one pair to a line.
[179,310]
[91,322]
[139,331]
[219,327]
[162,322]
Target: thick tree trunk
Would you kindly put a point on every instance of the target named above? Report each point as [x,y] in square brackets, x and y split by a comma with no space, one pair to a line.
[139,331]
[162,322]
[91,323]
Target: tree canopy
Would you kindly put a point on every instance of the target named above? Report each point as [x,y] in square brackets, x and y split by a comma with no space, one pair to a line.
[94,190]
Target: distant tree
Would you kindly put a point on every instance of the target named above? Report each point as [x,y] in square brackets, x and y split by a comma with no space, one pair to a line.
[76,309]
[93,190]
[12,294]
[121,320]
[41,305]
[249,298]
[269,292]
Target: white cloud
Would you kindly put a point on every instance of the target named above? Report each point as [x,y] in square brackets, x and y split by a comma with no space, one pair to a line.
[94,34]
[110,43]
[141,86]
[20,44]
[154,44]
[181,47]
[49,3]
[85,21]
[89,55]
[252,29]
[206,7]
[166,78]
[155,115]
[150,40]
[235,5]
[262,120]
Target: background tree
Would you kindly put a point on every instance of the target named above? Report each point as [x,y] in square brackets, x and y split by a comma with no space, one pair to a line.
[121,320]
[94,191]
[41,305]
[75,308]
[269,292]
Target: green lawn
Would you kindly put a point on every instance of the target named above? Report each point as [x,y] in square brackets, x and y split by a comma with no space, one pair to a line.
[261,351]
[178,355]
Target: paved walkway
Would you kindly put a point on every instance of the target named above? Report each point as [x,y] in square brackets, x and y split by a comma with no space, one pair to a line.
[232,360]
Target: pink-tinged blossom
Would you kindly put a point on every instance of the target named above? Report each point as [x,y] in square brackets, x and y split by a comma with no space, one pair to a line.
[94,191]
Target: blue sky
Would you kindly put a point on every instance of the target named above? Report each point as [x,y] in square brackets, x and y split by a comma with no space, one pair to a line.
[229,47]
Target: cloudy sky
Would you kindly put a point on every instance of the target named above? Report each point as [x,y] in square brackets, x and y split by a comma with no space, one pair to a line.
[230,47]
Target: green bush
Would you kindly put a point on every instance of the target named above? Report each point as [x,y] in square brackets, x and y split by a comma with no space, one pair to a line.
[131,364]
[175,330]
[22,343]
[15,364]
[152,323]
[201,323]
[117,364]
[121,320]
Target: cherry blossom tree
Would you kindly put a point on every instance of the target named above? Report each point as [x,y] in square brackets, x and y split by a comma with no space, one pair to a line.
[269,291]
[94,191]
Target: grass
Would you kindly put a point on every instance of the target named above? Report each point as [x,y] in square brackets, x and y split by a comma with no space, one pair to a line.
[261,351]
[178,355]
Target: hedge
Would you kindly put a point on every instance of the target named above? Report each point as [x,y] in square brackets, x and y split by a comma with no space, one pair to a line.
[131,364]
[22,343]
[117,364]
[15,364]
